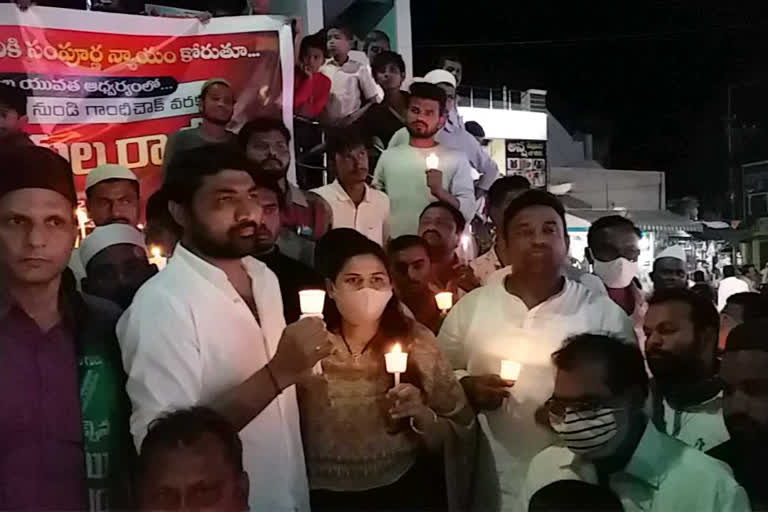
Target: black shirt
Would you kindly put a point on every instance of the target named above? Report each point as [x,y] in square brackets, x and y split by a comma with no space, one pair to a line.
[380,122]
[293,277]
[748,469]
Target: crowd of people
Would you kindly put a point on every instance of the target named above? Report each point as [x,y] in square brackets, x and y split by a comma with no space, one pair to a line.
[207,384]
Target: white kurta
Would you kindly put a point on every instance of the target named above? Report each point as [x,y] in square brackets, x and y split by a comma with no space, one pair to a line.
[370,217]
[188,337]
[489,325]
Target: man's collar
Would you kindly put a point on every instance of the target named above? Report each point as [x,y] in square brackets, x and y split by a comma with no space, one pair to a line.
[651,458]
[342,195]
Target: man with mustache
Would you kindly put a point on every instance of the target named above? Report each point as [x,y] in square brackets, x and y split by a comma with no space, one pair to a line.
[523,319]
[217,105]
[745,405]
[681,330]
[293,275]
[209,329]
[441,225]
[404,172]
[305,218]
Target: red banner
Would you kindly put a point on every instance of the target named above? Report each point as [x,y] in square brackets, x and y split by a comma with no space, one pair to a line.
[110,88]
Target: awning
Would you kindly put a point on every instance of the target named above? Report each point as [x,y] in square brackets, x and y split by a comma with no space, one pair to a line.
[645,220]
[730,235]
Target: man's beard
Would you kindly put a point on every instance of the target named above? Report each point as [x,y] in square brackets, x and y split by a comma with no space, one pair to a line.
[234,247]
[428,134]
[277,171]
[671,370]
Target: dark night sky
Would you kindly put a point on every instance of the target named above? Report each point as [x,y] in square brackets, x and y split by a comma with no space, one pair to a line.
[649,79]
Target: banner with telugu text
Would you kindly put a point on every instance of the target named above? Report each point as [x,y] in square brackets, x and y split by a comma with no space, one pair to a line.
[110,88]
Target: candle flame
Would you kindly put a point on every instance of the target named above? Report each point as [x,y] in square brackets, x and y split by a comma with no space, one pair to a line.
[433,161]
[396,349]
[156,253]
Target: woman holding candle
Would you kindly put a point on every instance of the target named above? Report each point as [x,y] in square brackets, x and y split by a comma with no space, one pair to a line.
[371,445]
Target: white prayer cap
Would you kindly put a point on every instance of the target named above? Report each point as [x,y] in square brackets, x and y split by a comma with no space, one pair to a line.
[440,76]
[675,251]
[108,172]
[107,236]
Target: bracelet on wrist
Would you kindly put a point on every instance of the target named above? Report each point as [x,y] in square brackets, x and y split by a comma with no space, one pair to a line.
[416,429]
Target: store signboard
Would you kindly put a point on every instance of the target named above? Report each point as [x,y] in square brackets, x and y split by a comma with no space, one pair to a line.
[527,158]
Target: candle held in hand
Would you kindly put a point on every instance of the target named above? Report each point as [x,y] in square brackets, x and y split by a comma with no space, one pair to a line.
[312,302]
[444,301]
[157,258]
[433,161]
[510,370]
[396,361]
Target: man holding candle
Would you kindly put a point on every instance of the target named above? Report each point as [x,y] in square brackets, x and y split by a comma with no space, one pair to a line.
[523,319]
[209,329]
[423,171]
[441,226]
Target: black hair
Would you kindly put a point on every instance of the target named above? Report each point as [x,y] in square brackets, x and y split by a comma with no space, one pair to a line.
[444,58]
[13,98]
[475,129]
[384,58]
[729,271]
[341,28]
[703,313]
[157,214]
[427,91]
[208,85]
[748,336]
[622,361]
[344,140]
[458,218]
[185,427]
[753,305]
[704,291]
[373,36]
[316,41]
[534,198]
[503,186]
[262,125]
[404,242]
[575,495]
[610,222]
[265,181]
[698,276]
[186,170]
[332,252]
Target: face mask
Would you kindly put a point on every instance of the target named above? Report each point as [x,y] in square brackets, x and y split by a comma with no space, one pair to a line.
[362,306]
[585,432]
[616,273]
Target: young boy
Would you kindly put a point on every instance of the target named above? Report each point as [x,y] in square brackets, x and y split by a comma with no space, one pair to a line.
[352,84]
[311,88]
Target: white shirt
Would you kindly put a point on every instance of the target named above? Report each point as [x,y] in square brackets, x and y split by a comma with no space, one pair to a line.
[729,286]
[454,136]
[489,325]
[663,475]
[700,426]
[188,337]
[401,173]
[370,217]
[351,84]
[486,265]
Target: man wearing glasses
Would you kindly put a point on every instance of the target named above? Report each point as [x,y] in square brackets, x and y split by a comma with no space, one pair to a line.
[606,438]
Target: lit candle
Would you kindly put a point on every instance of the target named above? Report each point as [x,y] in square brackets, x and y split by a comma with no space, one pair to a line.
[397,361]
[312,302]
[444,301]
[433,162]
[82,220]
[157,257]
[465,244]
[510,370]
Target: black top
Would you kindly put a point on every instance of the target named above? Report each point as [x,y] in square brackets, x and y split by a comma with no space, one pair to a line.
[293,277]
[748,469]
[380,122]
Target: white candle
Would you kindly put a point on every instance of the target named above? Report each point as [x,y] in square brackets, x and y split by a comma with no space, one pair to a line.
[396,361]
[433,161]
[82,220]
[312,302]
[465,245]
[157,257]
[510,370]
[444,301]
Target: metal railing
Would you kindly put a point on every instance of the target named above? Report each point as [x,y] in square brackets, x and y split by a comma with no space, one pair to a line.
[501,98]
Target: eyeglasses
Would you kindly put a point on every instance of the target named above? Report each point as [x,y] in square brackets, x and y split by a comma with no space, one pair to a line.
[558,408]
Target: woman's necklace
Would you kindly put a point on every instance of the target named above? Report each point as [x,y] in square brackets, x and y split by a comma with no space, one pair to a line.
[356,357]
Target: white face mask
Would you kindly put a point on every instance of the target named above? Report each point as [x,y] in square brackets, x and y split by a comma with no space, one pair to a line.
[362,306]
[616,273]
[586,432]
